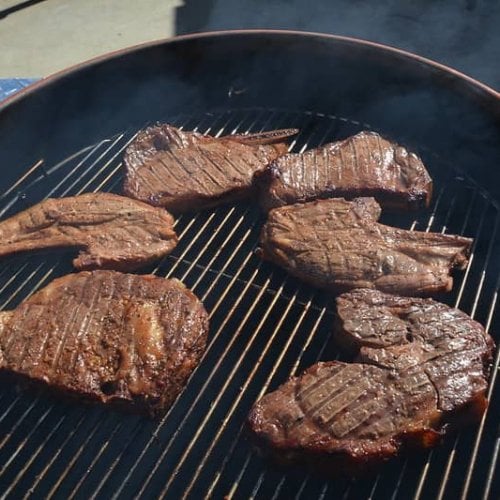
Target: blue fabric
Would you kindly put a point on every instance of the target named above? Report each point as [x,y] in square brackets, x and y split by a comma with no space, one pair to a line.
[9,86]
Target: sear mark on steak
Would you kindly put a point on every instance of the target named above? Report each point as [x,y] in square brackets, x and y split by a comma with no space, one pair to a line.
[421,369]
[125,340]
[339,245]
[362,165]
[113,232]
[187,171]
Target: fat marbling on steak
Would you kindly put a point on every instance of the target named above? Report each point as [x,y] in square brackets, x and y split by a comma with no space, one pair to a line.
[124,340]
[111,231]
[339,245]
[363,165]
[186,171]
[421,369]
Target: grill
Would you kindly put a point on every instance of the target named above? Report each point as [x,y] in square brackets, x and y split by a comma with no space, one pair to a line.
[265,326]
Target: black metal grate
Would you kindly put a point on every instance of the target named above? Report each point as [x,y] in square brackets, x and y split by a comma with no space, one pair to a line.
[265,326]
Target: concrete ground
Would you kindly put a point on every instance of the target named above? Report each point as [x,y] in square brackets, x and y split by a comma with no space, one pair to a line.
[50,35]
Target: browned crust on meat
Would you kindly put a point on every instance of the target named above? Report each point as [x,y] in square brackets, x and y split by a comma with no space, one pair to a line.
[187,171]
[338,245]
[362,165]
[420,373]
[123,340]
[111,231]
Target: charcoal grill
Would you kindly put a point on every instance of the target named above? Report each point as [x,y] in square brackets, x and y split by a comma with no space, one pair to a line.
[66,136]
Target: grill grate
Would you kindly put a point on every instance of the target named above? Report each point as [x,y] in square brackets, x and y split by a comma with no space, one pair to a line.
[265,326]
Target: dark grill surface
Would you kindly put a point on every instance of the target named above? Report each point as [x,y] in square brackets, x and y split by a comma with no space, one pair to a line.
[265,326]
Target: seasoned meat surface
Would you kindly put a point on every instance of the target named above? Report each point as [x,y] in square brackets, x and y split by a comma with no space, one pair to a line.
[339,245]
[186,171]
[120,339]
[113,232]
[362,165]
[421,368]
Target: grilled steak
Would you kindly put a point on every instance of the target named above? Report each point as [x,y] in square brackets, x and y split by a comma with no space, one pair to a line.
[421,369]
[121,339]
[113,232]
[339,245]
[185,171]
[362,165]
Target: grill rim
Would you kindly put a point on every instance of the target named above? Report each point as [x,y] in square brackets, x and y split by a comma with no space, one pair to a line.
[429,64]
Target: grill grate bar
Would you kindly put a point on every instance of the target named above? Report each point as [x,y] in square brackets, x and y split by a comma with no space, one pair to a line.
[94,461]
[20,288]
[399,482]
[216,254]
[7,410]
[18,423]
[209,241]
[249,378]
[238,399]
[471,259]
[71,463]
[21,179]
[266,385]
[21,268]
[473,312]
[436,205]
[470,470]
[26,438]
[33,455]
[491,470]
[88,170]
[40,163]
[51,461]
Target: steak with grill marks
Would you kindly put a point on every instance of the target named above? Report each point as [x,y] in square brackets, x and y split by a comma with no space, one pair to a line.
[339,245]
[421,369]
[112,231]
[124,340]
[362,165]
[186,171]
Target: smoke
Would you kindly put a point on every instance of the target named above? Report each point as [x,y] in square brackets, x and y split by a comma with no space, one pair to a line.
[461,33]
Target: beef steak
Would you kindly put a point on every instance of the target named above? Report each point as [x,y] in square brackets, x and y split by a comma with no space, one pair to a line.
[421,369]
[112,231]
[121,339]
[339,245]
[186,171]
[362,165]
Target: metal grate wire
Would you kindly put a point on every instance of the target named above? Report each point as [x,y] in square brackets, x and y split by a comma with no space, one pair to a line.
[265,326]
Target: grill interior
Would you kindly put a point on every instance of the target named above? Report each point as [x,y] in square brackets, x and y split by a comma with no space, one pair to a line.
[265,326]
